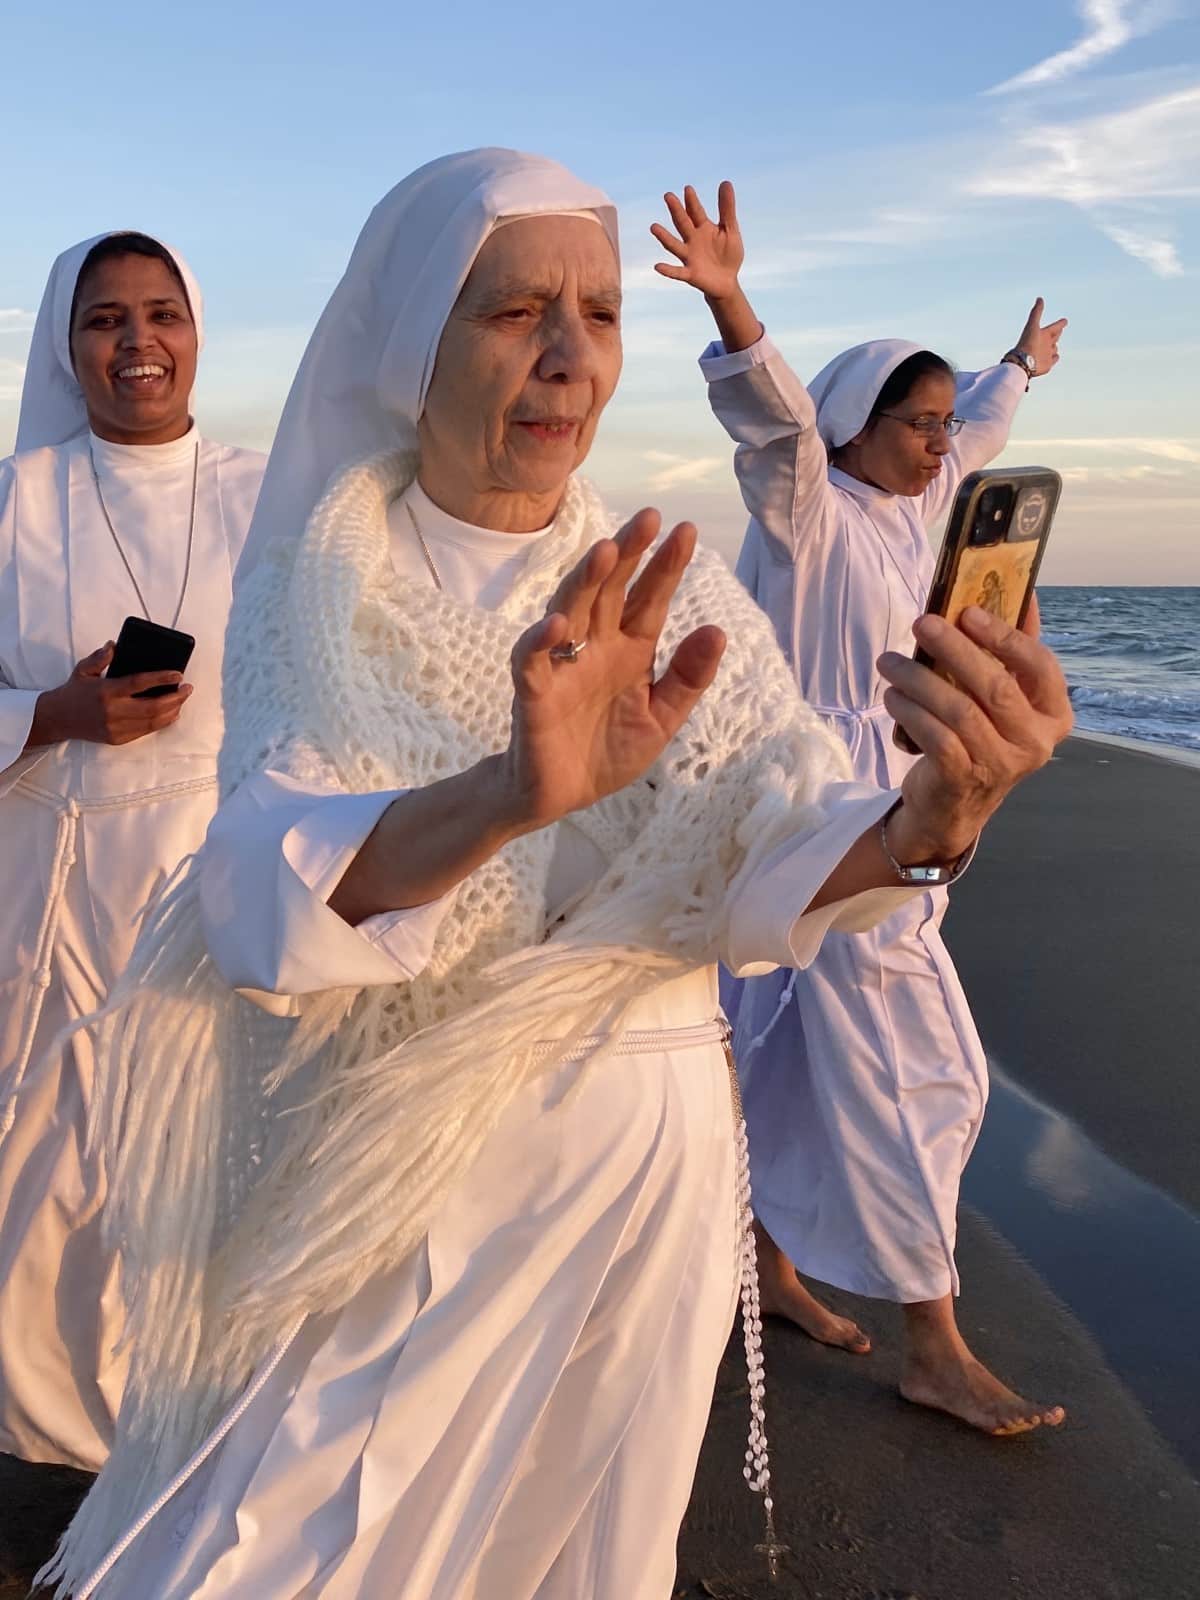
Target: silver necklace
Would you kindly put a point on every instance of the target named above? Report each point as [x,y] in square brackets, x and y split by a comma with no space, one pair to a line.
[187,568]
[425,551]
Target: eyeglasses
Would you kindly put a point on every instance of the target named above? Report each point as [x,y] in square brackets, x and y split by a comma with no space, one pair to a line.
[928,426]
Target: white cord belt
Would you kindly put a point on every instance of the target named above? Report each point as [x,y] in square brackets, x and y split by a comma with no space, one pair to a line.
[641,1041]
[874,713]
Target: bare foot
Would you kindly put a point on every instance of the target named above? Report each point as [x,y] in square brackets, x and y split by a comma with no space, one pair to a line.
[786,1296]
[965,1388]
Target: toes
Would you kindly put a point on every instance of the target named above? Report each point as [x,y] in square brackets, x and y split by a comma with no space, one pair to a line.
[1052,1417]
[845,1335]
[1016,1425]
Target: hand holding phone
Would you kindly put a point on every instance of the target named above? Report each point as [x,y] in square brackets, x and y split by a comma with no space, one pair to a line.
[992,551]
[990,713]
[100,709]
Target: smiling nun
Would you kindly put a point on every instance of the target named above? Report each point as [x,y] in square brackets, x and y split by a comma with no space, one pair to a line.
[113,506]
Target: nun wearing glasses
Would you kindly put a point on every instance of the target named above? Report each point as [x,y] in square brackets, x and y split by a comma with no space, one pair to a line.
[864,1078]
[113,506]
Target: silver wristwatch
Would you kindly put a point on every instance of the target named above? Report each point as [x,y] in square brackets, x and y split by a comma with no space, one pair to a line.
[1026,362]
[924,877]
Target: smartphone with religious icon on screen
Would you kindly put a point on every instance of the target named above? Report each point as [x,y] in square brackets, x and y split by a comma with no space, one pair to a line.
[149,647]
[993,548]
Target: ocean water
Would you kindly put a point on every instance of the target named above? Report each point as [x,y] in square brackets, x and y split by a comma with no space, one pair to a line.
[1132,659]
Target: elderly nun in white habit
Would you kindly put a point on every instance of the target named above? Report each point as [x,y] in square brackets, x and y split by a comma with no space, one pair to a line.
[114,505]
[863,1076]
[427,1298]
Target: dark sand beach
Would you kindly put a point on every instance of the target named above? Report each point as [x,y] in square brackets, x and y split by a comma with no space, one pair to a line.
[1076,933]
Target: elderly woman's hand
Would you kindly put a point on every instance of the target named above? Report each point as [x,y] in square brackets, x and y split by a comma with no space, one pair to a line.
[999,720]
[586,727]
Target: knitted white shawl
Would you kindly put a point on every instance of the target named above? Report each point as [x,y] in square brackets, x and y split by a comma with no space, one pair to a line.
[234,1220]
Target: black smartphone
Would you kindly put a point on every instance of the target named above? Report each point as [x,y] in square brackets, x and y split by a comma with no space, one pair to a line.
[149,647]
[993,549]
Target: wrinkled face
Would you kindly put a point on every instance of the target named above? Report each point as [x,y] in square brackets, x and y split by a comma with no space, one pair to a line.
[894,456]
[133,343]
[528,360]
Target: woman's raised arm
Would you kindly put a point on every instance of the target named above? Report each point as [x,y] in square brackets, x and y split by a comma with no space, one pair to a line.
[988,401]
[780,461]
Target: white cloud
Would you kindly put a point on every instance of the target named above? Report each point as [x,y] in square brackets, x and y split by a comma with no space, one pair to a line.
[1160,255]
[1116,474]
[14,320]
[1187,451]
[1145,151]
[783,252]
[1127,170]
[12,375]
[675,470]
[1110,25]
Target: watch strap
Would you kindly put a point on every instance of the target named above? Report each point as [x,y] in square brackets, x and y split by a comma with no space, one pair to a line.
[1022,359]
[926,877]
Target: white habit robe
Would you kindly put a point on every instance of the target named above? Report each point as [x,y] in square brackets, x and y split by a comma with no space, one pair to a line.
[515,1413]
[864,1100]
[88,833]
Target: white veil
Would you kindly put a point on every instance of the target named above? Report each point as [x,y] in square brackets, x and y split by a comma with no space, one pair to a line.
[52,408]
[845,390]
[362,382]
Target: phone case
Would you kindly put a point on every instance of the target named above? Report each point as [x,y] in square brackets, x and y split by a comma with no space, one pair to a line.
[992,550]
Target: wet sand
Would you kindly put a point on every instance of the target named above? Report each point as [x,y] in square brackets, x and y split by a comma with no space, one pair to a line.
[1076,932]
[881,1501]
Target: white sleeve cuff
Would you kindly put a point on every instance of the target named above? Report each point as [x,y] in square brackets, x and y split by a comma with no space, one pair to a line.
[319,849]
[1016,376]
[765,930]
[17,707]
[406,937]
[274,855]
[717,362]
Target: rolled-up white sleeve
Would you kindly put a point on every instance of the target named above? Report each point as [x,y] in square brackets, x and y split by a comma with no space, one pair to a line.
[275,853]
[768,924]
[781,464]
[987,401]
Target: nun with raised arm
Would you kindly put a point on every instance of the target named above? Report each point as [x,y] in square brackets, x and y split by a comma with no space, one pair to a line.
[113,506]
[864,1077]
[429,1273]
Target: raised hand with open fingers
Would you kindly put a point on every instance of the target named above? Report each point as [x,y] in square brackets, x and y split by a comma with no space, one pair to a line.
[586,726]
[710,254]
[1041,342]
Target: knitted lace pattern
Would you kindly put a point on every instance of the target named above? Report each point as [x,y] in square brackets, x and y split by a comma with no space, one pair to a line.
[265,1168]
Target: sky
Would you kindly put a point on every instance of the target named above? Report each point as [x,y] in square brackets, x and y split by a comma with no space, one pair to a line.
[920,171]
